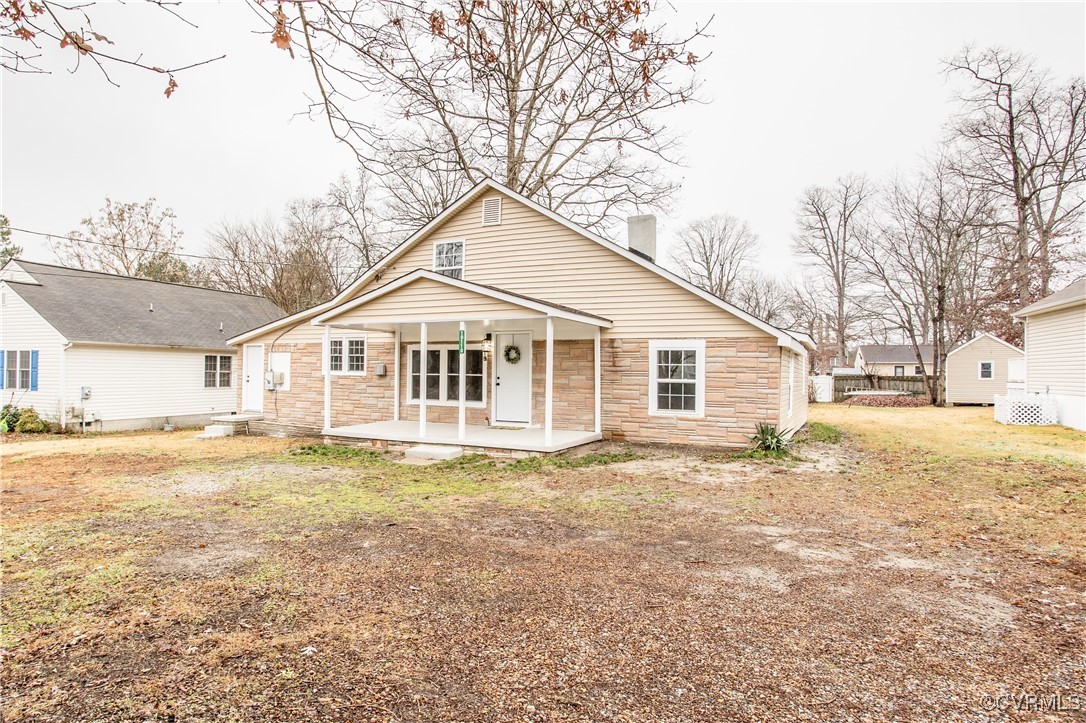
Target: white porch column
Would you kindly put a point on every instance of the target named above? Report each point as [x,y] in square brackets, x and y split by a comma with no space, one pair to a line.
[596,362]
[461,432]
[422,379]
[326,362]
[396,379]
[548,413]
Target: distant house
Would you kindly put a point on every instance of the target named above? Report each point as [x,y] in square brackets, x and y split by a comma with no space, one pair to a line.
[1055,335]
[114,352]
[503,325]
[981,368]
[893,360]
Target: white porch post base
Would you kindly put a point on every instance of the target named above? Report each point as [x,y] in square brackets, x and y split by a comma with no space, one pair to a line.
[548,414]
[422,379]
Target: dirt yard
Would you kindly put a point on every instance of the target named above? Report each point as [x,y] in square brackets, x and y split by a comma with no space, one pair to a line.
[926,565]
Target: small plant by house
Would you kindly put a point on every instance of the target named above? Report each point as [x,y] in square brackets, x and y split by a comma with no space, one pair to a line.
[767,438]
[9,417]
[30,422]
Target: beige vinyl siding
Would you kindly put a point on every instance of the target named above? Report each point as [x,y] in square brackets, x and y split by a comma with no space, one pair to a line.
[1056,352]
[429,300]
[964,385]
[23,328]
[146,382]
[533,255]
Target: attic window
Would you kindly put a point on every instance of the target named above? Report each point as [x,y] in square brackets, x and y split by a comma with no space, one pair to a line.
[492,211]
[449,258]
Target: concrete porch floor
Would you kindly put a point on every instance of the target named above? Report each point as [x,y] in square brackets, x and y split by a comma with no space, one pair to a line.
[524,440]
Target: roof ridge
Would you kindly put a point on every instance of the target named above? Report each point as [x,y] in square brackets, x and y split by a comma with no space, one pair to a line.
[130,278]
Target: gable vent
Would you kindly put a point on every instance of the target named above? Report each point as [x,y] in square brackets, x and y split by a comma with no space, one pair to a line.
[492,211]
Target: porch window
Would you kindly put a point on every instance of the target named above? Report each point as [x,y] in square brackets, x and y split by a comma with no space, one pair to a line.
[217,370]
[449,258]
[347,355]
[986,370]
[442,377]
[677,377]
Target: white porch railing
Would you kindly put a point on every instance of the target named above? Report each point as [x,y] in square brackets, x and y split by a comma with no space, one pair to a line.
[1026,409]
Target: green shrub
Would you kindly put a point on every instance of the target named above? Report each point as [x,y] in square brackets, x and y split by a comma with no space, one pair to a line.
[819,432]
[30,423]
[767,438]
[9,417]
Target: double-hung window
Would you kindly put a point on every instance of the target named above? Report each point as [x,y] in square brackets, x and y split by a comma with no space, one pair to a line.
[20,369]
[677,377]
[442,375]
[449,258]
[347,355]
[985,370]
[217,370]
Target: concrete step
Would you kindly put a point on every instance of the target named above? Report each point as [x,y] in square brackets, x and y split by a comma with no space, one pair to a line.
[215,431]
[434,451]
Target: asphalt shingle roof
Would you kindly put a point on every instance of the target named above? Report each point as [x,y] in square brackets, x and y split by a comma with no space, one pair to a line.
[895,353]
[89,306]
[1073,292]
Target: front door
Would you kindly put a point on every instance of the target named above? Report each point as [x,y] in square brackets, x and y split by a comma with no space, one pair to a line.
[252,391]
[513,379]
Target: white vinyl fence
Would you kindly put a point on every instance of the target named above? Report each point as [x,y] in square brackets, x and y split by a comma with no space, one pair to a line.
[1026,409]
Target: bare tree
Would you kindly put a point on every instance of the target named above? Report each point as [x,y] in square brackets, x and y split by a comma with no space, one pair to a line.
[713,252]
[560,101]
[355,219]
[33,33]
[929,251]
[829,221]
[1024,136]
[765,297]
[132,239]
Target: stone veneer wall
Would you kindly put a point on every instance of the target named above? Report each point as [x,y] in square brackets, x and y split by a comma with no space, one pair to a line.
[743,378]
[355,399]
[742,383]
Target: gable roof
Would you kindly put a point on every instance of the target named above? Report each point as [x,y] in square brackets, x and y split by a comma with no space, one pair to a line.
[783,337]
[99,308]
[1071,295]
[544,307]
[978,337]
[895,353]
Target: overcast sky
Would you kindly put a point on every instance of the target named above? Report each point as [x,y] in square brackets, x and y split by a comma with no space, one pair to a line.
[799,94]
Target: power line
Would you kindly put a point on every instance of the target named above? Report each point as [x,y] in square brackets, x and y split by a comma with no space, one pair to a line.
[60,237]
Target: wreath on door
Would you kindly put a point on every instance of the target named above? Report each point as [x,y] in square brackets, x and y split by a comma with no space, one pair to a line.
[511,353]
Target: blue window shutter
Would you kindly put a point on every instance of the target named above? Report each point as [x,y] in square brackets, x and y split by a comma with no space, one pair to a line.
[34,370]
[3,377]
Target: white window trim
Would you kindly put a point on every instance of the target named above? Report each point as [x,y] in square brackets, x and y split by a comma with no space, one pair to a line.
[218,371]
[19,369]
[980,371]
[444,376]
[346,338]
[698,345]
[463,257]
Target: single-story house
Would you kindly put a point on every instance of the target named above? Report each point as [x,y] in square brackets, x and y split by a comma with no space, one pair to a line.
[502,325]
[981,368]
[1055,349]
[893,360]
[105,352]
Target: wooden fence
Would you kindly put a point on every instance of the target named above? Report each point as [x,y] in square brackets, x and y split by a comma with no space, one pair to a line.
[845,383]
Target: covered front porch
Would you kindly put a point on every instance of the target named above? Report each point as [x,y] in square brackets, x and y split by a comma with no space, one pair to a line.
[435,360]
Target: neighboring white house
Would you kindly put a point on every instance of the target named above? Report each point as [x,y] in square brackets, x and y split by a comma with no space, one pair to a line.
[1055,335]
[114,352]
[893,360]
[981,368]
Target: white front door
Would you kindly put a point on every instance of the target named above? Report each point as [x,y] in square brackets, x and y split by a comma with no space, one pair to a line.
[513,382]
[252,391]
